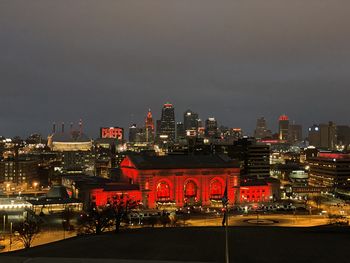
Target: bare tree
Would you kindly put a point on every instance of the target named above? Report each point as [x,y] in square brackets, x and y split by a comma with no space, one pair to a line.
[99,219]
[96,221]
[67,216]
[27,231]
[121,208]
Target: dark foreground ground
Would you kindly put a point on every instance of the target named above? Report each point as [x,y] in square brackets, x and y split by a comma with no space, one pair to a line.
[247,244]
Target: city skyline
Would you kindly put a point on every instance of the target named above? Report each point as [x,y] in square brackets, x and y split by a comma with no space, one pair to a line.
[119,59]
[174,130]
[93,131]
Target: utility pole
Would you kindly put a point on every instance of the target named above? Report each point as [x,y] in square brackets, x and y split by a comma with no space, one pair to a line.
[227,257]
[10,235]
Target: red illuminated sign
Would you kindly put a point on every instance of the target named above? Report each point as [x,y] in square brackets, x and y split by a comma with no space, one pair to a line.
[112,132]
[283,118]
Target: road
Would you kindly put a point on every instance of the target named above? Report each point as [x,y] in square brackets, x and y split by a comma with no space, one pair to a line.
[264,220]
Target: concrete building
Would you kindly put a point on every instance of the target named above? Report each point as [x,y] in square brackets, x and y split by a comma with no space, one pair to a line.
[136,134]
[295,133]
[254,157]
[211,128]
[167,129]
[191,123]
[343,136]
[180,131]
[19,171]
[323,136]
[261,130]
[330,170]
[283,128]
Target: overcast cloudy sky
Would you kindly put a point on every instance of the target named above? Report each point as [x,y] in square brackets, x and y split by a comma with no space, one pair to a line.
[109,61]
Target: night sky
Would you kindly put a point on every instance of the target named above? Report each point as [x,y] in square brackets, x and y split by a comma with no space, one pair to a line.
[107,62]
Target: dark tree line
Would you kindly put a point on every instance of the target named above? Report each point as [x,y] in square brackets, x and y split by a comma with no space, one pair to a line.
[100,219]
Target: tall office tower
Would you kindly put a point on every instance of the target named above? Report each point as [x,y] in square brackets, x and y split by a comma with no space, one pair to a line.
[158,128]
[283,127]
[261,130]
[200,129]
[180,131]
[211,128]
[149,127]
[167,123]
[323,136]
[236,133]
[295,133]
[190,120]
[343,135]
[254,157]
[136,134]
[132,133]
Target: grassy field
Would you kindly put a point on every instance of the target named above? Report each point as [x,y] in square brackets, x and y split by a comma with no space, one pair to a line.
[206,244]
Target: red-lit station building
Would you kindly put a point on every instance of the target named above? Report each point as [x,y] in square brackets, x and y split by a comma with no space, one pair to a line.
[179,180]
[174,181]
[259,190]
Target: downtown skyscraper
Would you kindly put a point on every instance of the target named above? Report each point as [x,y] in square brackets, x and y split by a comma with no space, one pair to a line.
[166,128]
[149,127]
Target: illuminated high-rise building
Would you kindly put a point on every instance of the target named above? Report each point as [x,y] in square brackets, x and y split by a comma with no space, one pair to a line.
[343,135]
[261,130]
[167,129]
[136,134]
[211,128]
[180,131]
[190,120]
[191,123]
[283,127]
[323,136]
[295,133]
[149,127]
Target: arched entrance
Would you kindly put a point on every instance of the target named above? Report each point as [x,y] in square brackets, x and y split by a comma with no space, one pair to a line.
[190,192]
[163,192]
[216,190]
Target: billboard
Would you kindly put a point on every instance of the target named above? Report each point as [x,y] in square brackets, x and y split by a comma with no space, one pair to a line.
[112,132]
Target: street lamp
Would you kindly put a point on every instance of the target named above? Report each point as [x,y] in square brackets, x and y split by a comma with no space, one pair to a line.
[4,221]
[11,229]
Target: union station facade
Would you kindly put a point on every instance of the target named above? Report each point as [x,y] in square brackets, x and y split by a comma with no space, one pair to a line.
[178,180]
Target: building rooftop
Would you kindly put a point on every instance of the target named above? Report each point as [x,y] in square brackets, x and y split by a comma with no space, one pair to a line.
[70,137]
[99,182]
[145,162]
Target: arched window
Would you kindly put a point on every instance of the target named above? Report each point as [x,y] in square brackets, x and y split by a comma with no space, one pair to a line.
[216,190]
[163,191]
[190,189]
